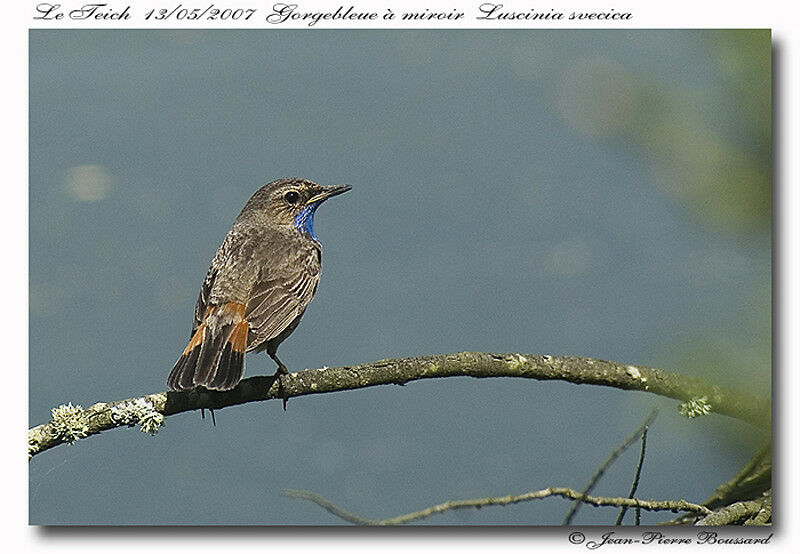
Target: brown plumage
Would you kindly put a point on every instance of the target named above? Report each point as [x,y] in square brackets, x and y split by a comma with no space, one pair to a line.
[260,282]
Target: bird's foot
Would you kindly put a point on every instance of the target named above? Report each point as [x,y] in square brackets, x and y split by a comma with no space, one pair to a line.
[280,374]
[213,418]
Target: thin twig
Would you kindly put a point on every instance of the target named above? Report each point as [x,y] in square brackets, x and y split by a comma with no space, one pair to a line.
[652,505]
[328,505]
[637,513]
[75,423]
[635,485]
[605,465]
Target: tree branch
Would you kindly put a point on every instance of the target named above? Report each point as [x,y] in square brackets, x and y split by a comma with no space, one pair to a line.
[70,423]
[749,512]
[653,505]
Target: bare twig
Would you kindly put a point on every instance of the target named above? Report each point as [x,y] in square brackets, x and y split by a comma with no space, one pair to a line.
[148,411]
[653,505]
[329,506]
[610,460]
[635,485]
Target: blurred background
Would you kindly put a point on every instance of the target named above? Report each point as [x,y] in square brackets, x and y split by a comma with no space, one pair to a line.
[587,193]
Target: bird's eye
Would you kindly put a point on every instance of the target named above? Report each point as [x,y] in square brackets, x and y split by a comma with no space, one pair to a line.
[291,197]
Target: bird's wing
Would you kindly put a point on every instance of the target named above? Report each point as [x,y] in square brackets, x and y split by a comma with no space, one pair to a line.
[202,298]
[279,296]
[231,274]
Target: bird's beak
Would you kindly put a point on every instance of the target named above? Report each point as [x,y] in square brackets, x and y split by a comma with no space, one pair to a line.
[327,192]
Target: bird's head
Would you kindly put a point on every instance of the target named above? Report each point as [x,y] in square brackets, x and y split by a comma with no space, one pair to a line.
[290,202]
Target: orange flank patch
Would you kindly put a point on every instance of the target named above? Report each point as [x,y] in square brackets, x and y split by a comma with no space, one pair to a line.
[238,338]
[197,339]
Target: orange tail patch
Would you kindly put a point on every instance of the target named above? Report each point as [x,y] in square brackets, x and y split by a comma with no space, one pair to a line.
[197,339]
[231,310]
[238,338]
[214,357]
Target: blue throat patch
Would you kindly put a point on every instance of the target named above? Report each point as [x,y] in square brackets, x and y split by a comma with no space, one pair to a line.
[304,221]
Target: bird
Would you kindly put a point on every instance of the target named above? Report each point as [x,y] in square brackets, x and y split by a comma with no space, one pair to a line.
[260,282]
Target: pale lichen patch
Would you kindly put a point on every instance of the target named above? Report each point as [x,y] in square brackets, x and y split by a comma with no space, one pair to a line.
[430,369]
[151,422]
[159,398]
[69,423]
[141,412]
[697,406]
[515,361]
[634,372]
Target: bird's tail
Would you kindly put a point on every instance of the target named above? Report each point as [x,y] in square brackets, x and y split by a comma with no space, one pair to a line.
[214,357]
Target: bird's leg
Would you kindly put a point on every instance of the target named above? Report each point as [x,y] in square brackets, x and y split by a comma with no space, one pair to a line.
[282,370]
[203,415]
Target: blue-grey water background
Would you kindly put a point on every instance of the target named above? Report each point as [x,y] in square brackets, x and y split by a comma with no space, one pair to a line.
[588,193]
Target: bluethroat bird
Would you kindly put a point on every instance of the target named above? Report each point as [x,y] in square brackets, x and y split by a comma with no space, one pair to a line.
[260,282]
